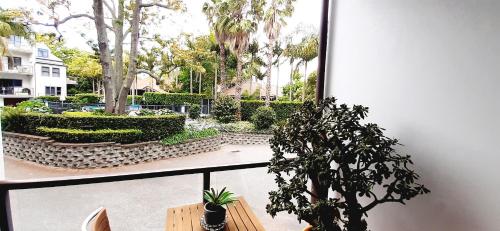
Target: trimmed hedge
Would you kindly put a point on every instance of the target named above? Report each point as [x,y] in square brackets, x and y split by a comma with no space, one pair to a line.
[152,127]
[83,98]
[49,98]
[138,99]
[190,135]
[124,136]
[283,109]
[264,118]
[155,98]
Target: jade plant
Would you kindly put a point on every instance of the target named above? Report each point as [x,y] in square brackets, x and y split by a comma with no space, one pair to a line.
[351,165]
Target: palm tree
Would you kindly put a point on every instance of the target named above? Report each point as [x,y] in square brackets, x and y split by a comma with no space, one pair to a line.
[273,22]
[292,53]
[216,11]
[308,51]
[12,22]
[242,21]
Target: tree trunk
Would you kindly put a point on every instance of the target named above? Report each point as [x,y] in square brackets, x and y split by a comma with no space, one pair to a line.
[191,81]
[291,81]
[269,71]
[278,79]
[239,71]
[199,84]
[132,67]
[305,83]
[104,54]
[215,85]
[118,49]
[222,64]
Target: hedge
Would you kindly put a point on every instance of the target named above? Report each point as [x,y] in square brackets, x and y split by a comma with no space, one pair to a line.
[190,135]
[124,136]
[155,98]
[152,127]
[138,99]
[83,98]
[283,109]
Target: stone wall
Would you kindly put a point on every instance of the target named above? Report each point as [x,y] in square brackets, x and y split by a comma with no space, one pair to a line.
[48,152]
[45,151]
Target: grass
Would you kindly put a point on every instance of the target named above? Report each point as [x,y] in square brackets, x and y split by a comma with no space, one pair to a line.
[190,135]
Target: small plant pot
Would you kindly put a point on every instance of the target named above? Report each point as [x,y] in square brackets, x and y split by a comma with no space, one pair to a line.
[214,214]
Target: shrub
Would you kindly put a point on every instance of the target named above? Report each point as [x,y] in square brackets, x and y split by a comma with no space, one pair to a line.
[77,113]
[225,109]
[283,109]
[87,98]
[367,167]
[91,136]
[155,98]
[8,116]
[152,127]
[33,106]
[264,118]
[194,111]
[190,135]
[49,98]
[138,99]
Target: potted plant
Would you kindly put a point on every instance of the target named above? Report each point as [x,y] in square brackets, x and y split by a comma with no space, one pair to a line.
[335,151]
[215,213]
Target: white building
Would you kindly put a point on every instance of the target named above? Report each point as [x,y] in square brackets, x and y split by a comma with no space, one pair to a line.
[30,70]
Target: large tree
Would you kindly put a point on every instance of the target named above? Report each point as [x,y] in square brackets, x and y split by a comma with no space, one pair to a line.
[126,19]
[308,51]
[12,22]
[274,20]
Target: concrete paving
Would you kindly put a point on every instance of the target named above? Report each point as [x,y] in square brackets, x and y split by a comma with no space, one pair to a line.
[141,204]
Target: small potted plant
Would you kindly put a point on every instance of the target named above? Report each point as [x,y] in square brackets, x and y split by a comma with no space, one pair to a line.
[215,213]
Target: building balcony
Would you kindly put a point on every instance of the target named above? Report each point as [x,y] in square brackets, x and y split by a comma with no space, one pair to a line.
[19,70]
[16,92]
[23,47]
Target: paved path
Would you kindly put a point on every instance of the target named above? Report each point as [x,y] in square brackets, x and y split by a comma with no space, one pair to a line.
[140,205]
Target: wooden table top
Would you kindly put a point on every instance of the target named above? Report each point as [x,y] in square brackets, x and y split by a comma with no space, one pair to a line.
[187,218]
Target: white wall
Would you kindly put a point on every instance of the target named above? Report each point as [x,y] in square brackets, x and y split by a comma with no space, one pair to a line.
[430,72]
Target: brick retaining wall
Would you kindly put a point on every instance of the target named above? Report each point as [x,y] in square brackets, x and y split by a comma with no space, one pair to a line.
[45,151]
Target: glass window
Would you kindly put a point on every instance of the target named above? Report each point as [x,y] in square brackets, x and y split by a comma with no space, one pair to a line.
[45,71]
[17,83]
[53,91]
[58,91]
[15,40]
[55,72]
[44,53]
[13,62]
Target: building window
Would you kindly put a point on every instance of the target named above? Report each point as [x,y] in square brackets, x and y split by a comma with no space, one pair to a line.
[15,40]
[55,72]
[45,71]
[44,53]
[13,62]
[53,91]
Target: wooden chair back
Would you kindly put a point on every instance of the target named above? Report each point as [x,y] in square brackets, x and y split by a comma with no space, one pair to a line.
[101,222]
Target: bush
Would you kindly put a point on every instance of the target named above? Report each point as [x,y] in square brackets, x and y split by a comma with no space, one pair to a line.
[138,99]
[33,106]
[49,98]
[87,98]
[264,118]
[194,111]
[152,127]
[124,136]
[155,98]
[224,109]
[77,113]
[8,116]
[283,109]
[190,135]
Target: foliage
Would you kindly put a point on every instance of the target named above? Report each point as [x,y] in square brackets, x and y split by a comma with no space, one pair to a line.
[8,115]
[152,127]
[367,167]
[224,109]
[194,111]
[187,135]
[264,118]
[297,86]
[87,98]
[79,113]
[49,98]
[247,96]
[283,109]
[155,98]
[33,106]
[219,198]
[124,136]
[12,22]
[138,99]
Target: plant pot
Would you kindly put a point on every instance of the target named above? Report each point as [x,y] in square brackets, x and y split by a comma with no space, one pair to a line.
[214,214]
[308,228]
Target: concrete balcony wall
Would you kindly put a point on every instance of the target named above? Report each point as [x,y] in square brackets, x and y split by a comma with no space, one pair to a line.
[429,71]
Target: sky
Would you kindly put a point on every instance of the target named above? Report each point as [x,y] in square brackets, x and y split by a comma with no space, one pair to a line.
[76,32]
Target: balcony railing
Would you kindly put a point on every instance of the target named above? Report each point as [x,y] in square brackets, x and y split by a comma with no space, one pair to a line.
[16,91]
[7,185]
[21,69]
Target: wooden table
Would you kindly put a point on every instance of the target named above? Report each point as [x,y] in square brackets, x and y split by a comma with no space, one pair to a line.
[187,218]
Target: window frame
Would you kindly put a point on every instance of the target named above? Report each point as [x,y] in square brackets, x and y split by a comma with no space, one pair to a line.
[54,73]
[42,53]
[48,71]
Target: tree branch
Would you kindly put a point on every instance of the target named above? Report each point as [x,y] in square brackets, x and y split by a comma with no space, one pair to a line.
[151,74]
[58,22]
[110,8]
[166,6]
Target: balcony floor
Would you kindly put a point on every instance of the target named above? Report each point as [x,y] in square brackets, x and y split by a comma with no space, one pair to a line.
[140,205]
